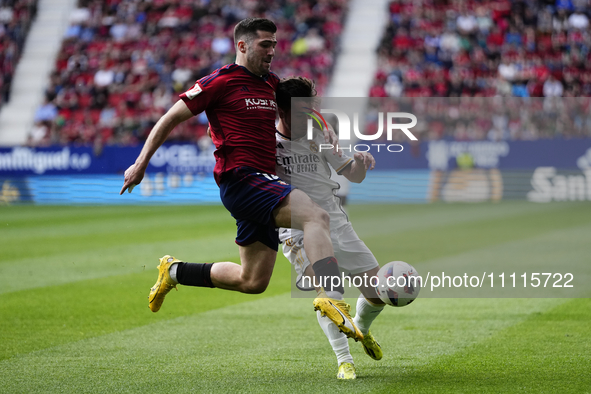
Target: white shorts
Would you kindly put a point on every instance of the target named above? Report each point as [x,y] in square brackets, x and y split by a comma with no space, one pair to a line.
[352,254]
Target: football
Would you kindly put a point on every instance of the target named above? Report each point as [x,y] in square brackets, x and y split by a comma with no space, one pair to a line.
[398,283]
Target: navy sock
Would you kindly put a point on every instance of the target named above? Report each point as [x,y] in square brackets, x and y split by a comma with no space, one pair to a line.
[194,274]
[324,270]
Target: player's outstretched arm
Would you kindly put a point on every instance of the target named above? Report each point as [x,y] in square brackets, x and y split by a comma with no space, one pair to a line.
[362,162]
[175,115]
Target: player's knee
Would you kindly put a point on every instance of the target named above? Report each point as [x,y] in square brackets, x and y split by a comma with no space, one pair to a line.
[322,217]
[255,286]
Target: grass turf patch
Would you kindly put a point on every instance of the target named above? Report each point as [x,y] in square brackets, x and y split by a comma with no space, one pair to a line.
[73,304]
[274,345]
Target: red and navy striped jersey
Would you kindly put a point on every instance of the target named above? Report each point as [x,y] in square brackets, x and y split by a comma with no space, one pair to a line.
[241,110]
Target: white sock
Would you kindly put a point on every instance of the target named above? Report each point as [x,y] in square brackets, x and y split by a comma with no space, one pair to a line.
[338,340]
[172,272]
[335,295]
[366,314]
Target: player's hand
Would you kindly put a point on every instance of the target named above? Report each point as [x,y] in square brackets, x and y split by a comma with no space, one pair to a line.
[331,138]
[133,176]
[365,159]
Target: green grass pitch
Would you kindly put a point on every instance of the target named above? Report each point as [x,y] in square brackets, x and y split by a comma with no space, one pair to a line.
[74,316]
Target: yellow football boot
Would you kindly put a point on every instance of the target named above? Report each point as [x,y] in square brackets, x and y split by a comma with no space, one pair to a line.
[164,283]
[346,371]
[338,312]
[372,347]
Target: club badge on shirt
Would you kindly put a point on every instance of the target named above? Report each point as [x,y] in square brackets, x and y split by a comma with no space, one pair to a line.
[194,91]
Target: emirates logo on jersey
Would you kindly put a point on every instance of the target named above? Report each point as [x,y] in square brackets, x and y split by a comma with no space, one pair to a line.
[256,103]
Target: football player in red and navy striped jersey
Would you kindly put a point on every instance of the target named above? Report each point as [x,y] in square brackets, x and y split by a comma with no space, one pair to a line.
[239,100]
[241,110]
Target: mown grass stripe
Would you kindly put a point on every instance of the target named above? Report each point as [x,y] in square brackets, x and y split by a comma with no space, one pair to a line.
[548,352]
[93,230]
[39,318]
[372,220]
[269,345]
[92,263]
[423,244]
[553,252]
[97,335]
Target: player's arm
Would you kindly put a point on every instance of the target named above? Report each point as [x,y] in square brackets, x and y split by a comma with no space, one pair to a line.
[175,115]
[356,171]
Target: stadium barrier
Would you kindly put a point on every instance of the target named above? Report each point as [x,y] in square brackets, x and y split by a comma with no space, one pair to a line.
[450,171]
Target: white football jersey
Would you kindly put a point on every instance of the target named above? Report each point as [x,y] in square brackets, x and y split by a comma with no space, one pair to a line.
[301,164]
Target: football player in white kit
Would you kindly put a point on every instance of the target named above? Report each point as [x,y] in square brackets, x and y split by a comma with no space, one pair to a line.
[302,163]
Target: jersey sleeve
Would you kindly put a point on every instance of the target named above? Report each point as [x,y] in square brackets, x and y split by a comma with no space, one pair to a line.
[203,93]
[339,163]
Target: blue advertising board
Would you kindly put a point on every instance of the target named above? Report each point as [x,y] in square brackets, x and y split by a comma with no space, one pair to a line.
[504,155]
[70,160]
[541,171]
[187,158]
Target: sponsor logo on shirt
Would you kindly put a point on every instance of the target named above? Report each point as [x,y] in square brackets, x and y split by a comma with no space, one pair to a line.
[298,163]
[256,103]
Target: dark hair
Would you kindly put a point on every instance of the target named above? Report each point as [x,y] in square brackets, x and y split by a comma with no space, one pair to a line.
[293,87]
[247,28]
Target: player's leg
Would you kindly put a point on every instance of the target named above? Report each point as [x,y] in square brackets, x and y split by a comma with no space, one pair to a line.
[338,342]
[366,289]
[251,276]
[298,211]
[251,198]
[356,258]
[296,255]
[265,199]
[369,307]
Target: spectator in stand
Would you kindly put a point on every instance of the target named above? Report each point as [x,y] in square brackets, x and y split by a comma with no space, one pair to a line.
[578,20]
[46,112]
[560,21]
[39,134]
[507,69]
[466,23]
[483,20]
[104,75]
[16,17]
[552,87]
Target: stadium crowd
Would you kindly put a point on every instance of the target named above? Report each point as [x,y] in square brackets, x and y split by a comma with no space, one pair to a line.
[517,49]
[124,62]
[16,17]
[522,48]
[497,118]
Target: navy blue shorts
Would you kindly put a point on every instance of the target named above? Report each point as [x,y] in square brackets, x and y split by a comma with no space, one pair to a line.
[251,196]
